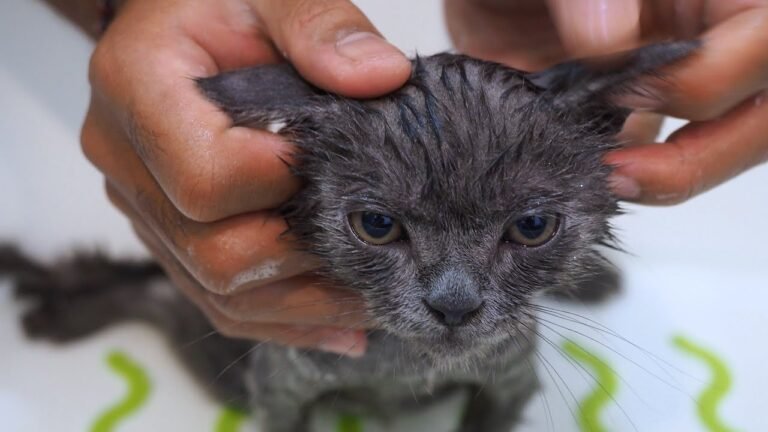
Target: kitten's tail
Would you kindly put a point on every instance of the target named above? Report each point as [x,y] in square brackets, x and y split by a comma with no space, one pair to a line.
[15,264]
[81,271]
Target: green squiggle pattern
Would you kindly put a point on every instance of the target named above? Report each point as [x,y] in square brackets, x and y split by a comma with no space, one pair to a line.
[230,420]
[711,397]
[138,392]
[592,406]
[349,423]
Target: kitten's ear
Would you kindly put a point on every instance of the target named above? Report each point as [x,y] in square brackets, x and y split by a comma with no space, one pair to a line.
[598,83]
[262,95]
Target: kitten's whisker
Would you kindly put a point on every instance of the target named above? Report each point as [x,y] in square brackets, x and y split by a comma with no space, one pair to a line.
[581,368]
[413,392]
[198,340]
[603,329]
[542,393]
[261,343]
[241,357]
[550,369]
[544,323]
[229,402]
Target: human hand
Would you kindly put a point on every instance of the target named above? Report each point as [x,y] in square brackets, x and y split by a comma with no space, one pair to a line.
[198,191]
[723,90]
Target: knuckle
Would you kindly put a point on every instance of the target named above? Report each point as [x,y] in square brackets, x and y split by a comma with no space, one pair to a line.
[222,324]
[321,16]
[114,197]
[195,196]
[216,265]
[142,140]
[228,331]
[146,204]
[315,13]
[706,101]
[686,180]
[90,142]
[231,328]
[102,66]
[228,264]
[161,215]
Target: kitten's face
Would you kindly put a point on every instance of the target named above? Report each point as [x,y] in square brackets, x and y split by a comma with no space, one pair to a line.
[450,203]
[454,200]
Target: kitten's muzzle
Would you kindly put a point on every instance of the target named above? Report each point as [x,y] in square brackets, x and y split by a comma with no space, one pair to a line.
[454,299]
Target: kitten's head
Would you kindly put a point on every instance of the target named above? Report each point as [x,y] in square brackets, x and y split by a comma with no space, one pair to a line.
[452,201]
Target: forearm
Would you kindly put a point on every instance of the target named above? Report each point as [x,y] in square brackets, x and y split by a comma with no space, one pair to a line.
[91,16]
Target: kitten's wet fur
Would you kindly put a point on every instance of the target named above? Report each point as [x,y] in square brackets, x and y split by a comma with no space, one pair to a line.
[458,154]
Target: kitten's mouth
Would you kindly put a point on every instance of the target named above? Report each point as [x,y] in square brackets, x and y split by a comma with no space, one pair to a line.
[459,343]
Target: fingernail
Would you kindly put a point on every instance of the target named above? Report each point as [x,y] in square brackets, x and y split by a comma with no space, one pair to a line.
[361,46]
[624,187]
[614,21]
[351,344]
[592,27]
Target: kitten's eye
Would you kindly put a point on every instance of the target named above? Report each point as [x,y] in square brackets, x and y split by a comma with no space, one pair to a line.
[531,231]
[375,228]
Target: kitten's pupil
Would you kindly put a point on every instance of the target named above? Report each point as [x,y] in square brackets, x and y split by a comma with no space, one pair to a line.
[533,230]
[532,227]
[377,225]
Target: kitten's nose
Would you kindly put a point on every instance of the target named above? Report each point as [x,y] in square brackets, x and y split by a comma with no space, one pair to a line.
[453,312]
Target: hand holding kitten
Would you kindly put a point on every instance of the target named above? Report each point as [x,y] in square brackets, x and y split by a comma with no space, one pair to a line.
[723,91]
[199,192]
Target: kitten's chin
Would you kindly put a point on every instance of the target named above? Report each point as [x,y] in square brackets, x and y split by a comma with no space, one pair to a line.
[458,349]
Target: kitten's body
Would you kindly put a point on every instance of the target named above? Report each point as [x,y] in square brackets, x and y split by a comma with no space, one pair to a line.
[458,157]
[281,385]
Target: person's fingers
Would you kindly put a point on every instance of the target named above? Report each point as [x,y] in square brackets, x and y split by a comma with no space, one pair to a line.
[695,158]
[301,299]
[208,169]
[640,128]
[594,27]
[228,32]
[334,46]
[517,33]
[227,256]
[731,65]
[342,340]
[349,342]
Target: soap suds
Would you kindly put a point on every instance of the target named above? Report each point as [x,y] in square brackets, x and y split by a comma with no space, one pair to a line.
[267,269]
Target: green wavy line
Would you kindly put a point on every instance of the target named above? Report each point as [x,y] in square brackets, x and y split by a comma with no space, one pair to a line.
[230,420]
[138,392]
[349,423]
[711,397]
[592,406]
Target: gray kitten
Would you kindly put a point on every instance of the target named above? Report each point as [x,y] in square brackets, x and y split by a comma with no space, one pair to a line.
[449,204]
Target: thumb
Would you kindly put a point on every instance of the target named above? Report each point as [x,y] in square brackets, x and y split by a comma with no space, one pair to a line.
[334,46]
[595,27]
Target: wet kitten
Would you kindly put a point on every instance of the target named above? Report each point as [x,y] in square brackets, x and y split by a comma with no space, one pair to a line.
[449,204]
